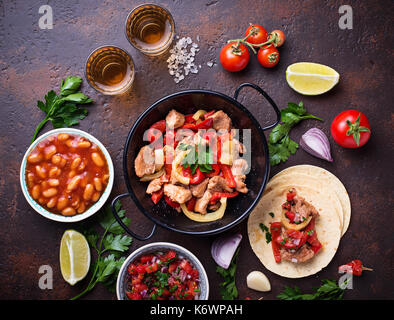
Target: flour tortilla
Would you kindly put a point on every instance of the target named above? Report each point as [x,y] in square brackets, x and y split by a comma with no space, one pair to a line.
[328,228]
[311,182]
[325,178]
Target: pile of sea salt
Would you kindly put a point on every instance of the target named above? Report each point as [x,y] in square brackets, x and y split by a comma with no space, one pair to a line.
[181,60]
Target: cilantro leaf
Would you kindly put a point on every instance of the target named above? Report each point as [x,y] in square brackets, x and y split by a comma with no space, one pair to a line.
[118,243]
[108,221]
[113,243]
[280,145]
[329,290]
[228,288]
[62,109]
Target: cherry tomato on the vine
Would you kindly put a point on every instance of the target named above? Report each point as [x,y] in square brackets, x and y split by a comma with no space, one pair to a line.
[234,57]
[279,37]
[259,35]
[351,129]
[268,56]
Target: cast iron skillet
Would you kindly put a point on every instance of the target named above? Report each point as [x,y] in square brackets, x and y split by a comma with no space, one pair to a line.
[188,102]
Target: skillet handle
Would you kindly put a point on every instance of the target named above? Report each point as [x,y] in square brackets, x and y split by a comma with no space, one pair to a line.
[266,96]
[141,238]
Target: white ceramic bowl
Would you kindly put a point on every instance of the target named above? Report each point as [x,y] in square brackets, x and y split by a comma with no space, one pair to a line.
[95,207]
[121,284]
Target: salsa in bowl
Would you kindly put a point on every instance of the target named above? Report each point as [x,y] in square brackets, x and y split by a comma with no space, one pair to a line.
[162,271]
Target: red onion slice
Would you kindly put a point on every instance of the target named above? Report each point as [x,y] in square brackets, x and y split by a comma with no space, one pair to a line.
[223,249]
[315,142]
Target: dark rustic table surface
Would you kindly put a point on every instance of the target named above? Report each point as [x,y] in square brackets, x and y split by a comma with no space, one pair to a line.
[33,61]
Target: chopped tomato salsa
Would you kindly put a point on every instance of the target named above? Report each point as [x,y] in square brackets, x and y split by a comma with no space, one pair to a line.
[162,276]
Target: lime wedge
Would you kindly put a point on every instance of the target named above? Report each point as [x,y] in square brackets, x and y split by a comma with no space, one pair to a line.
[311,78]
[74,256]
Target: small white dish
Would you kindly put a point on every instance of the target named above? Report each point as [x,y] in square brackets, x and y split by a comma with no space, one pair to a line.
[96,206]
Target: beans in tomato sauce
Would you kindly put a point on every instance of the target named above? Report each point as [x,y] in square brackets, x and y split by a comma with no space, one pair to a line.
[66,174]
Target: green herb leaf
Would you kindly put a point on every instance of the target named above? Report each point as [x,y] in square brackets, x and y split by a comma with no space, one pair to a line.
[329,290]
[70,85]
[118,243]
[62,110]
[280,145]
[228,288]
[106,268]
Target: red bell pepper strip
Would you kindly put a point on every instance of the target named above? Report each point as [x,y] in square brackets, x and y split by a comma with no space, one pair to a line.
[189,118]
[217,195]
[275,233]
[208,114]
[187,172]
[197,177]
[215,172]
[156,196]
[171,203]
[228,175]
[312,237]
[354,267]
[206,124]
[159,125]
[191,204]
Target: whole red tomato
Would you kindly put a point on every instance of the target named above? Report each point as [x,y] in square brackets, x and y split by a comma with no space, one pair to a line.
[351,129]
[259,35]
[234,57]
[268,56]
[279,37]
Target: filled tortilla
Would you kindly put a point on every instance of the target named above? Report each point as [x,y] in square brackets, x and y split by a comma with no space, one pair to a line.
[313,175]
[328,226]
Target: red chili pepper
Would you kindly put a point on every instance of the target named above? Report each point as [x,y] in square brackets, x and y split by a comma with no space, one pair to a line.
[156,196]
[208,114]
[197,177]
[275,233]
[171,203]
[215,172]
[354,267]
[217,195]
[228,175]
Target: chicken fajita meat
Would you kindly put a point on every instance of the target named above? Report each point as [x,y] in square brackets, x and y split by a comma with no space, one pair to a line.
[294,238]
[193,161]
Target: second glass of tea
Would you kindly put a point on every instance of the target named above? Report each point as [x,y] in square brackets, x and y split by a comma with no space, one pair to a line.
[150,28]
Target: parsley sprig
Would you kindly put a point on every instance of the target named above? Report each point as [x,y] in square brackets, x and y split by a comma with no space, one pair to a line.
[329,290]
[62,109]
[280,145]
[228,288]
[109,249]
[200,156]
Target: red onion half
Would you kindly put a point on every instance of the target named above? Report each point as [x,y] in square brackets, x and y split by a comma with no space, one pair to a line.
[315,142]
[223,249]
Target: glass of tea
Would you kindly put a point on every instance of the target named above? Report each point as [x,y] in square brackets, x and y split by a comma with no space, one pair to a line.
[150,28]
[110,70]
